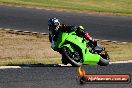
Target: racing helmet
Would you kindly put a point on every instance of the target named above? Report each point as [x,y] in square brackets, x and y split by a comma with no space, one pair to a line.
[53,24]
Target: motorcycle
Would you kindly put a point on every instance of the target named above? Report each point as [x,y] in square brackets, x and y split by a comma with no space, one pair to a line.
[77,51]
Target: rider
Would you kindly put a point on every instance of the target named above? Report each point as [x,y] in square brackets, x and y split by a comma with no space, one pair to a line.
[55,26]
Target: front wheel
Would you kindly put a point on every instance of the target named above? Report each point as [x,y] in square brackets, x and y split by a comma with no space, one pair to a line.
[104,60]
[104,57]
[73,57]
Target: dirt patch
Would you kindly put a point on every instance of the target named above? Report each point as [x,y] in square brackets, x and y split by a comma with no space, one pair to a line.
[16,46]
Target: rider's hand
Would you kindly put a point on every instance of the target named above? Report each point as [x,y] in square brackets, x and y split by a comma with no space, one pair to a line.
[94,42]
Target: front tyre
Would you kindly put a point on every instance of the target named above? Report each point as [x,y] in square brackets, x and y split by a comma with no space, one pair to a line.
[73,57]
[104,60]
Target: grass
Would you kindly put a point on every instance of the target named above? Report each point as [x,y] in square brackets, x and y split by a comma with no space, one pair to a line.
[118,51]
[112,6]
[35,49]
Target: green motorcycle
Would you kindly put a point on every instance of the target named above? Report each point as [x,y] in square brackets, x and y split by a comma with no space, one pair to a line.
[78,52]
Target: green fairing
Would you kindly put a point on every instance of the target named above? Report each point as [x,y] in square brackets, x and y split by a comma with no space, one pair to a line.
[88,58]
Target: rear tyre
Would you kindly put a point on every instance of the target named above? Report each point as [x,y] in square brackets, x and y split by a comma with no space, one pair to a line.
[74,58]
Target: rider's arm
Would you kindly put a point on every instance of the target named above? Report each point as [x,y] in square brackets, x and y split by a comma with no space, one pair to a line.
[85,35]
[88,37]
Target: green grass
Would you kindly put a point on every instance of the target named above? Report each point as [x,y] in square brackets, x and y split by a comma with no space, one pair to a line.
[113,6]
[34,49]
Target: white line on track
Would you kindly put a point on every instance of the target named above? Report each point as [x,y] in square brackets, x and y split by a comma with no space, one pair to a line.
[6,67]
[116,62]
[119,62]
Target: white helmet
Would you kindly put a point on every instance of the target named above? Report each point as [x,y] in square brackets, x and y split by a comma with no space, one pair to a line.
[53,24]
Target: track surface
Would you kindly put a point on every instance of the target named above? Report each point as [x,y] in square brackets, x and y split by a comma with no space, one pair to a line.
[102,27]
[105,27]
[59,77]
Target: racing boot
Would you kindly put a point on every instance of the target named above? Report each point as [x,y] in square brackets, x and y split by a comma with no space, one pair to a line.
[64,60]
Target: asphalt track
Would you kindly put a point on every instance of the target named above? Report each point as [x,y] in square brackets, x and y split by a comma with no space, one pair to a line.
[101,27]
[105,27]
[59,77]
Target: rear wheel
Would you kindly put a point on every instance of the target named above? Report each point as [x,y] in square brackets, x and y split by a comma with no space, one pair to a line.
[73,57]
